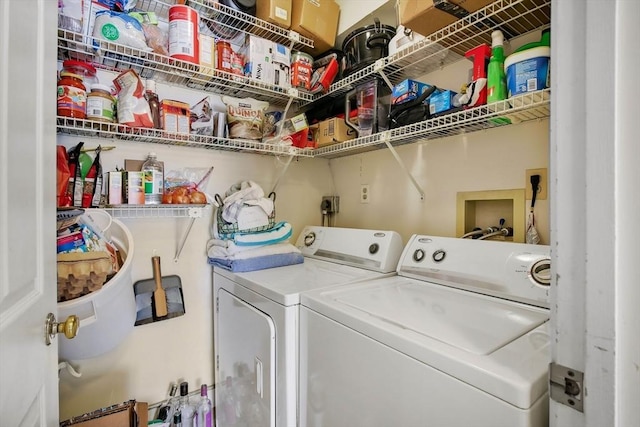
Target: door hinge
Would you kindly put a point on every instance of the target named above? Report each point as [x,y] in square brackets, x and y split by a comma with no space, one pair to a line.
[566,386]
[217,362]
[217,305]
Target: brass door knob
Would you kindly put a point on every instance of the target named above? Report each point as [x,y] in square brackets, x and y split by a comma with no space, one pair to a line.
[69,327]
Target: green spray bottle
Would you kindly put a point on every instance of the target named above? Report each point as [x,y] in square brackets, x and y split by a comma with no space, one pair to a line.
[496,79]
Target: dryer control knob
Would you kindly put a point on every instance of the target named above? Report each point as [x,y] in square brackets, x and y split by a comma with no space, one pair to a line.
[418,255]
[374,248]
[439,255]
[309,239]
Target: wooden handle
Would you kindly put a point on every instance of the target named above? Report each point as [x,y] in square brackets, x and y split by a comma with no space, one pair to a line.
[159,296]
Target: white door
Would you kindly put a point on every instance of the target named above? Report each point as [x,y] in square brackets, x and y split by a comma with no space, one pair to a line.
[245,348]
[595,203]
[28,367]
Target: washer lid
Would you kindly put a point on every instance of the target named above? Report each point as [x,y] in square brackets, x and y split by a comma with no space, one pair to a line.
[478,325]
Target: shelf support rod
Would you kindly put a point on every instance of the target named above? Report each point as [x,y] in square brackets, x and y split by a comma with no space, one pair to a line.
[193,214]
[286,166]
[402,166]
[379,67]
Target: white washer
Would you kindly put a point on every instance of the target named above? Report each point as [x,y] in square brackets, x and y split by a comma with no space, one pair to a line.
[256,320]
[458,338]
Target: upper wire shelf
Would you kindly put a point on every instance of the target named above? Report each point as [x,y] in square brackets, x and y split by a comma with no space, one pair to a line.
[96,129]
[117,57]
[449,44]
[226,21]
[523,108]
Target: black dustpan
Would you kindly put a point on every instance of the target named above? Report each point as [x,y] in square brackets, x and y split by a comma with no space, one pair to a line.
[143,290]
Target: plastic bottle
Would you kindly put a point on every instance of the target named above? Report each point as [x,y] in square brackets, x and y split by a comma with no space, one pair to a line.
[153,180]
[204,414]
[154,103]
[186,411]
[496,79]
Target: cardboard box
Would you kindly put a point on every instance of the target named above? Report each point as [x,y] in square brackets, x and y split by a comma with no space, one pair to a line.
[332,131]
[318,20]
[281,66]
[174,116]
[207,54]
[258,53]
[275,11]
[407,90]
[114,187]
[134,188]
[127,414]
[428,16]
[441,101]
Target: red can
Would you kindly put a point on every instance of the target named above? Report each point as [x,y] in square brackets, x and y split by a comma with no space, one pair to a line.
[301,70]
[224,56]
[183,33]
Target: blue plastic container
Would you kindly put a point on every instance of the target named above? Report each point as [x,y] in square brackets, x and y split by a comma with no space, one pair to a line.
[527,71]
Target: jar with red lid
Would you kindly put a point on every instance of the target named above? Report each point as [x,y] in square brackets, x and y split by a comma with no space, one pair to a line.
[86,71]
[72,96]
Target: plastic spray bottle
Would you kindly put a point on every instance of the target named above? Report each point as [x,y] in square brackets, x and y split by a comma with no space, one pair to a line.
[496,79]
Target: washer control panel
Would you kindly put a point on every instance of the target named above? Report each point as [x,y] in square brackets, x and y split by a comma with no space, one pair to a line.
[510,270]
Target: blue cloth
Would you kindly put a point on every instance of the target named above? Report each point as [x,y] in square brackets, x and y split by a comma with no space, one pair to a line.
[257,263]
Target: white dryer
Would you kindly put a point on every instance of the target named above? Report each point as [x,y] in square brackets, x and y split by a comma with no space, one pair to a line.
[458,338]
[256,320]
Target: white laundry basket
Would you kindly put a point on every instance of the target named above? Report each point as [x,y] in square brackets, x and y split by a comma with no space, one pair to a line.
[107,315]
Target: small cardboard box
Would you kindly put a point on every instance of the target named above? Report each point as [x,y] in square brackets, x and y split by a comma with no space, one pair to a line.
[332,131]
[318,20]
[114,187]
[275,11]
[258,53]
[428,16]
[441,101]
[174,116]
[407,90]
[207,54]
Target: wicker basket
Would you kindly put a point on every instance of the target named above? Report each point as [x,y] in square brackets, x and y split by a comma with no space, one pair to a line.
[227,229]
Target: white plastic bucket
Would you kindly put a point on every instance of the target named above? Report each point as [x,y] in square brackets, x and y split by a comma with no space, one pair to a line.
[106,316]
[527,71]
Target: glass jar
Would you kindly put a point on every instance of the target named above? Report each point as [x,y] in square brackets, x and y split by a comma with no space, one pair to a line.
[72,96]
[100,104]
[86,71]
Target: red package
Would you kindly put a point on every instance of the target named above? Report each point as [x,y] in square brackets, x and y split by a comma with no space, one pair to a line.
[63,175]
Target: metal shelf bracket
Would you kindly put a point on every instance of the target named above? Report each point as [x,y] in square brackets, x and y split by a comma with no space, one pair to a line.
[385,137]
[379,67]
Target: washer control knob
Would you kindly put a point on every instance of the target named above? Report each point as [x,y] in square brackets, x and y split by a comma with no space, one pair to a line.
[309,239]
[418,255]
[439,255]
[541,272]
[373,248]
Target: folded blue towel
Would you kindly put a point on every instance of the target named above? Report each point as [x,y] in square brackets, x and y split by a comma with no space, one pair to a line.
[257,263]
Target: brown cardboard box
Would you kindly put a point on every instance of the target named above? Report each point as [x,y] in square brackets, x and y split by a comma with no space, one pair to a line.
[127,414]
[318,20]
[275,11]
[428,16]
[332,131]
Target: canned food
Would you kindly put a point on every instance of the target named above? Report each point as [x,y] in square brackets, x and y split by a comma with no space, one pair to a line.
[224,56]
[301,70]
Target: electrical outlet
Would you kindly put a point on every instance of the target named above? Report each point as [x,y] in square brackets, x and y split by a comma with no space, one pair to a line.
[330,204]
[365,195]
[542,187]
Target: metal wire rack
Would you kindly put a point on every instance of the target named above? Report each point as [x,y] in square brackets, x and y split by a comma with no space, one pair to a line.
[448,45]
[523,108]
[156,211]
[116,57]
[96,129]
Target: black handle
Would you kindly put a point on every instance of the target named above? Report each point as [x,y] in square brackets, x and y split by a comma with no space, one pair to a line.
[535,181]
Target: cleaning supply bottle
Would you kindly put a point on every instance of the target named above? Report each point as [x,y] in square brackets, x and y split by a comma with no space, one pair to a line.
[153,180]
[204,411]
[496,79]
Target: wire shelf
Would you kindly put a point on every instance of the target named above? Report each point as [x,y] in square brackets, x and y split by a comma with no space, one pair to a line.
[156,211]
[448,45]
[116,57]
[96,129]
[523,108]
[226,21]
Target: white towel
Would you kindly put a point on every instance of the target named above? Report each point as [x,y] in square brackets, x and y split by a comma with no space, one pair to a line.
[221,252]
[241,194]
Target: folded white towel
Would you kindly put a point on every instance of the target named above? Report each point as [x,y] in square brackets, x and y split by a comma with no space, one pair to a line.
[241,194]
[220,252]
